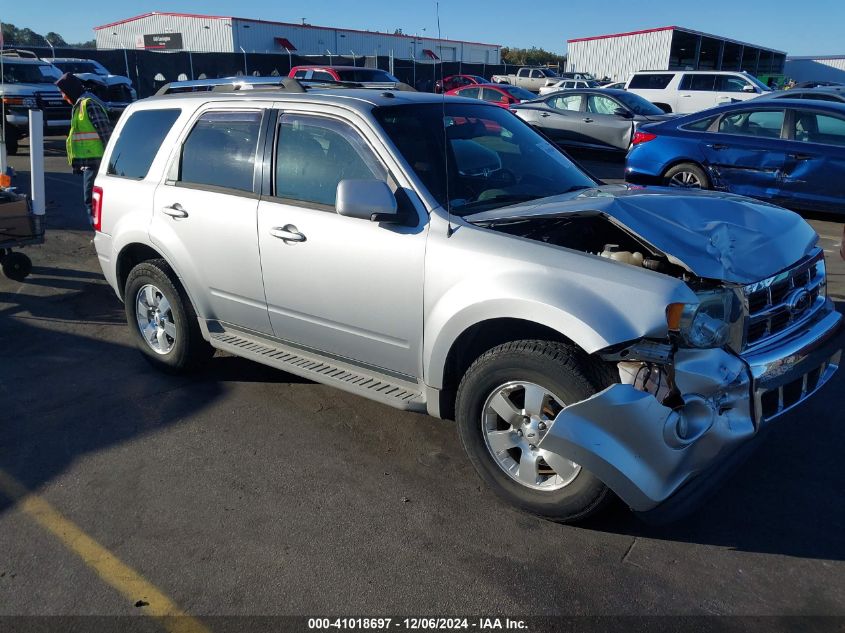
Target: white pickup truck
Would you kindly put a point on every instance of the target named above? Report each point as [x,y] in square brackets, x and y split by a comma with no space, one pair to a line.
[529,78]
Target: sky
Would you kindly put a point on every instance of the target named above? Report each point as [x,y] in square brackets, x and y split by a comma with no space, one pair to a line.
[815,29]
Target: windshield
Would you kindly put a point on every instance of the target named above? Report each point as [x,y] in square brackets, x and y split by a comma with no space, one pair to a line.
[636,104]
[79,67]
[478,79]
[518,93]
[28,73]
[367,74]
[494,158]
[758,83]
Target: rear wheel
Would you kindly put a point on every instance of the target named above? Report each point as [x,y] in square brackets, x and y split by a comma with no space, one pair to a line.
[686,176]
[162,319]
[506,403]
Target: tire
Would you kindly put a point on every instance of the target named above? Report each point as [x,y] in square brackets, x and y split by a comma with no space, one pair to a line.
[16,266]
[154,296]
[564,373]
[686,176]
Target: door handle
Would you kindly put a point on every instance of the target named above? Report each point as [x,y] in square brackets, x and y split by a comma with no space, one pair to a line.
[175,211]
[287,233]
[545,114]
[686,96]
[801,156]
[587,119]
[717,146]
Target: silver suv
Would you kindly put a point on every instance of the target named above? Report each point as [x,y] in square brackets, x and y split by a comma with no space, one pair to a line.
[438,255]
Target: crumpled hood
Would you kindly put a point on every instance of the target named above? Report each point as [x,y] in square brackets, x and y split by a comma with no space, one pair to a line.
[714,235]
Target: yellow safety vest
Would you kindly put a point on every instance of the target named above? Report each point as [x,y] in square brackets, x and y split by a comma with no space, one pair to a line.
[83,142]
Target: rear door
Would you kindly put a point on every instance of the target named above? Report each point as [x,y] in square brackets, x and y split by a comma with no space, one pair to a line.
[562,119]
[814,171]
[696,92]
[205,215]
[747,151]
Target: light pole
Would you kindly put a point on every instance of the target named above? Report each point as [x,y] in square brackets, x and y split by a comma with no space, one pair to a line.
[330,57]
[353,57]
[246,71]
[52,50]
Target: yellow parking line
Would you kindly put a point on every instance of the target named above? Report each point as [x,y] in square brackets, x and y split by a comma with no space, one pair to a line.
[109,567]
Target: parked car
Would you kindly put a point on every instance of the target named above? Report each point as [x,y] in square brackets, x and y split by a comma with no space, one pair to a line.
[616,85]
[567,84]
[356,74]
[818,84]
[576,75]
[594,118]
[826,93]
[438,255]
[115,91]
[789,151]
[499,94]
[456,81]
[687,91]
[529,78]
[28,84]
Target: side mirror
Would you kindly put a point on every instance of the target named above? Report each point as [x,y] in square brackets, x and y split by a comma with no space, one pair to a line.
[366,199]
[747,88]
[624,113]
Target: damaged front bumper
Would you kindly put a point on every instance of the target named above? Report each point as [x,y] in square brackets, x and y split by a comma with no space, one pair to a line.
[663,461]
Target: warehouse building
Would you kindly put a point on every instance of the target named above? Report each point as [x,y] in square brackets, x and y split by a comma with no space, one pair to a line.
[821,68]
[669,48]
[221,34]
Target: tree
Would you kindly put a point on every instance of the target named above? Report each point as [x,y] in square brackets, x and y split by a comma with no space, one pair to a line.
[55,39]
[531,57]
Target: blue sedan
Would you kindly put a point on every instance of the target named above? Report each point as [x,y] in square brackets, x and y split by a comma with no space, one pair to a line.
[787,151]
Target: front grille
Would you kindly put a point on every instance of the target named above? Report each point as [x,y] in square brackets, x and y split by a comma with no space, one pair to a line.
[54,106]
[778,304]
[779,400]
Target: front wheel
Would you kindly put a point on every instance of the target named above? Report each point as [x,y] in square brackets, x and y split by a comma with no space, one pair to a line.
[506,403]
[162,319]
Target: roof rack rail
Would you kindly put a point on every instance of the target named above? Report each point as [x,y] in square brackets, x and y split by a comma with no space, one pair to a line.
[17,52]
[290,84]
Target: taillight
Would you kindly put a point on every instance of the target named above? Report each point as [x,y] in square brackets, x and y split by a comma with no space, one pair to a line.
[97,208]
[642,137]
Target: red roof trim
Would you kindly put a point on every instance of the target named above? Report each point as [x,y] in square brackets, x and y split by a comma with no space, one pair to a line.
[302,26]
[604,37]
[284,43]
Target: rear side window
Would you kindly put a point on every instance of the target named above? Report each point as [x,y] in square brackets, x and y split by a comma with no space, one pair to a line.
[651,82]
[821,97]
[139,141]
[313,155]
[472,93]
[220,150]
[762,123]
[698,82]
[702,125]
[565,102]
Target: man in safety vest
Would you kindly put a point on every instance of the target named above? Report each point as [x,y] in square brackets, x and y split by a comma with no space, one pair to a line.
[90,129]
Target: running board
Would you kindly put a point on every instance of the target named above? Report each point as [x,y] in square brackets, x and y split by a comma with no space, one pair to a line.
[369,384]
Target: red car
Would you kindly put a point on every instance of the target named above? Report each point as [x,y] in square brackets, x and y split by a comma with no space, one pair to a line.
[500,94]
[456,81]
[342,73]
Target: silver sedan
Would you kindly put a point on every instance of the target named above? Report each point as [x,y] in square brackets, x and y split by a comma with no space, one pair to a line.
[592,118]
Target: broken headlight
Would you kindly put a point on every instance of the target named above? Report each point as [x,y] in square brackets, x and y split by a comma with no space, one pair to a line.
[714,321]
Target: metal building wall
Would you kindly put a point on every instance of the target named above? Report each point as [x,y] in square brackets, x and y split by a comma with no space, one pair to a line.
[257,36]
[200,34]
[815,68]
[619,56]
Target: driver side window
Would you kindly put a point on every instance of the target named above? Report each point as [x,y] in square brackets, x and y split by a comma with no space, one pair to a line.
[598,104]
[314,154]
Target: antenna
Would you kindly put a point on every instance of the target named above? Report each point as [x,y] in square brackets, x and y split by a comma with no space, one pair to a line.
[449,229]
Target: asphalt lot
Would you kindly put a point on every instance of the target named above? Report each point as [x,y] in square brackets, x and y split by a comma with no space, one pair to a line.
[243,490]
